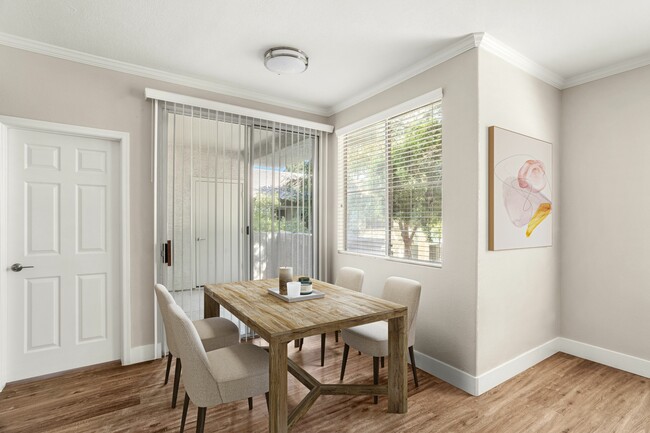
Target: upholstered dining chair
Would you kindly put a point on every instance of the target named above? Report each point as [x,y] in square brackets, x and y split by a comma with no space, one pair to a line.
[372,338]
[350,278]
[215,333]
[220,376]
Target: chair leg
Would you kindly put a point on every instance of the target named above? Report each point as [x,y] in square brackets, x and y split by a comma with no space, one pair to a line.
[336,336]
[322,350]
[177,381]
[359,353]
[375,375]
[200,420]
[296,343]
[300,345]
[413,368]
[382,362]
[250,403]
[346,350]
[266,396]
[169,366]
[186,404]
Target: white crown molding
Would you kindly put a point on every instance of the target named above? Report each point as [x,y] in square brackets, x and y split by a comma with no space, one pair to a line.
[607,71]
[156,74]
[474,40]
[515,58]
[447,53]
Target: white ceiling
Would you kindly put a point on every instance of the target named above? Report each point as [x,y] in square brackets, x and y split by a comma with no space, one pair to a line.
[353,45]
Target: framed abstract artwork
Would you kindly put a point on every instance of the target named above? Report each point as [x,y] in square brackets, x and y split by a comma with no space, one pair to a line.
[520,193]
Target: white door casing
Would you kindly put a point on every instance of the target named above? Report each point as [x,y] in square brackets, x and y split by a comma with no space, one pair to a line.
[65,215]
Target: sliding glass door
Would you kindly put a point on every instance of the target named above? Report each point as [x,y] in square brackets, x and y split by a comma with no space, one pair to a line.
[235,200]
[282,200]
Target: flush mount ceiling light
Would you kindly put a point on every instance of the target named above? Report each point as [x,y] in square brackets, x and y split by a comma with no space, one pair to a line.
[286,60]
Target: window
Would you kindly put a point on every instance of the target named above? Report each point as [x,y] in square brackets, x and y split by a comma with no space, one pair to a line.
[390,186]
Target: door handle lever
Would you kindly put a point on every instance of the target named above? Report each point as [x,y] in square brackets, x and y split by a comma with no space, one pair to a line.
[17,267]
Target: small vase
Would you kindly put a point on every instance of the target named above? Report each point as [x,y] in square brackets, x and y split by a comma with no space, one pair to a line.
[285,275]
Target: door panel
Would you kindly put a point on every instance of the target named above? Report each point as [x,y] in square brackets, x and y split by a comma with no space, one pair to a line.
[91,160]
[91,307]
[42,226]
[91,218]
[42,321]
[63,219]
[42,157]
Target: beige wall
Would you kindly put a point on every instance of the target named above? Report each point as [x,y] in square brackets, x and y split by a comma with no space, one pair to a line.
[446,327]
[605,249]
[45,88]
[518,290]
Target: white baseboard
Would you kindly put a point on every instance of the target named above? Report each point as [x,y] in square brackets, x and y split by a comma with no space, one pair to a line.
[143,353]
[477,385]
[515,366]
[452,375]
[624,362]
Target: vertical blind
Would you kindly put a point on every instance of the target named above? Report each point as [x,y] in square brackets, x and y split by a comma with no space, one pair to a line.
[236,197]
[390,186]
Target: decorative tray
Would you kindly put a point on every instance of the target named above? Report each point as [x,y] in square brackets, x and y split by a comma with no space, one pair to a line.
[315,294]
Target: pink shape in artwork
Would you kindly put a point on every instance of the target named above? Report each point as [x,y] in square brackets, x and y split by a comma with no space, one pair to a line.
[532,175]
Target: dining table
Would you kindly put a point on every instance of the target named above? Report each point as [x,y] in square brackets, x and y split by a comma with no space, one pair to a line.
[279,322]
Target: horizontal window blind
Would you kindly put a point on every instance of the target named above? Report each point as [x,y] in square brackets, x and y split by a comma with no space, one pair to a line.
[390,187]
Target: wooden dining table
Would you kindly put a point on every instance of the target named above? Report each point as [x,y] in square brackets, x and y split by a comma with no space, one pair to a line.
[280,322]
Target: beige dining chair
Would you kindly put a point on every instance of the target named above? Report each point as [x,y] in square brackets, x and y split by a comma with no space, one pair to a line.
[215,333]
[220,376]
[372,338]
[350,278]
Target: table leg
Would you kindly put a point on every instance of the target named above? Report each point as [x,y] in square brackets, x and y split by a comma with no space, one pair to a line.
[397,381]
[278,418]
[210,307]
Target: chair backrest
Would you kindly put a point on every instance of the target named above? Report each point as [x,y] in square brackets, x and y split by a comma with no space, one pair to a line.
[198,380]
[165,299]
[406,292]
[350,278]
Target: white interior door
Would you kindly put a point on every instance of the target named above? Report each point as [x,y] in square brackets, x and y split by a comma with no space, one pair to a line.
[63,224]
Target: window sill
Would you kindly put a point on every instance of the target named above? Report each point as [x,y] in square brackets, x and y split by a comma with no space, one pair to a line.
[394,259]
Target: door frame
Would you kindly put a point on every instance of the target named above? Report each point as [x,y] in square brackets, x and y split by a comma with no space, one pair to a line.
[122,139]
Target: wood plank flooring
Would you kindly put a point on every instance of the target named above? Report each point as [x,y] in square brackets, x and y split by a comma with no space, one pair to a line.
[561,394]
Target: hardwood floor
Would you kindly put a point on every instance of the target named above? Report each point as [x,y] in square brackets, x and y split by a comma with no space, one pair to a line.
[561,394]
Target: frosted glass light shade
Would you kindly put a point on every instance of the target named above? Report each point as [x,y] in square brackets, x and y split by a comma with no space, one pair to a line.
[285,60]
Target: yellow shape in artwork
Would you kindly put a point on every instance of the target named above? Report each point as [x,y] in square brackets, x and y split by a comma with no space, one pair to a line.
[542,212]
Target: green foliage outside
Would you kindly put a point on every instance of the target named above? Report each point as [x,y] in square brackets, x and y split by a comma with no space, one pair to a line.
[288,207]
[417,189]
[407,154]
